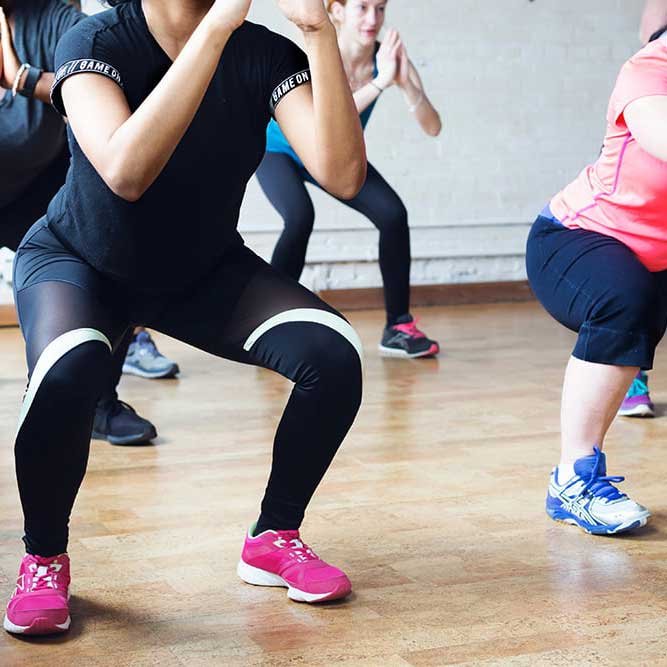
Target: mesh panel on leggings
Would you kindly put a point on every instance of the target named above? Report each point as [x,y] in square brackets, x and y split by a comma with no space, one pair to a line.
[49,309]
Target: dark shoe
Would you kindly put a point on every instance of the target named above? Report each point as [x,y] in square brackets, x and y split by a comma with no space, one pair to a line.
[118,423]
[405,340]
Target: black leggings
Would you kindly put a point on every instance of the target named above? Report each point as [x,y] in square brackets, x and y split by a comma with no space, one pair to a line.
[284,183]
[243,310]
[17,218]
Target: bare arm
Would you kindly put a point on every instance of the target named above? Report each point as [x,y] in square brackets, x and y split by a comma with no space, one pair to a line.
[129,150]
[321,122]
[416,98]
[646,119]
[365,96]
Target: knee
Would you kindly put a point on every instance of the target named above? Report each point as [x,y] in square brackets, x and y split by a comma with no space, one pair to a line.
[335,360]
[395,220]
[81,373]
[300,223]
[330,355]
[634,307]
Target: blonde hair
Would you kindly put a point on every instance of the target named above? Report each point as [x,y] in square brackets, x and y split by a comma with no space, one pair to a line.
[331,3]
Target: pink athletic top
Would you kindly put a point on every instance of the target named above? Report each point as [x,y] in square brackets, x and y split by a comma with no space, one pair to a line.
[624,193]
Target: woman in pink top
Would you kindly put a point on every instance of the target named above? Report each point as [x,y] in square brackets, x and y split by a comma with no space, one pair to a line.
[637,402]
[597,260]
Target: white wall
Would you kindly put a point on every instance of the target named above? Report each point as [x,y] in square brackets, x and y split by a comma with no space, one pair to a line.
[522,87]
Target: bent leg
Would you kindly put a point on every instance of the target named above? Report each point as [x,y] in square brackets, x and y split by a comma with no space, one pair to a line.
[257,316]
[282,181]
[596,286]
[383,207]
[68,337]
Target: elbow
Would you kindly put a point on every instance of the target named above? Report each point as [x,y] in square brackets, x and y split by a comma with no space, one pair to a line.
[435,129]
[123,185]
[347,184]
[126,192]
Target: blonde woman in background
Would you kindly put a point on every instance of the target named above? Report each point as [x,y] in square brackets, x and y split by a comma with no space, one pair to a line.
[371,67]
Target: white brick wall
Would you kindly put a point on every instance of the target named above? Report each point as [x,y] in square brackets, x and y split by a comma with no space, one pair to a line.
[522,87]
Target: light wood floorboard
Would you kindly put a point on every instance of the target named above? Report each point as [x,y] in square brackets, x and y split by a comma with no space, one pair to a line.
[434,507]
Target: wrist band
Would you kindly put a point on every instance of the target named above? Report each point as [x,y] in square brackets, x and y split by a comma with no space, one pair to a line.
[375,85]
[34,73]
[17,78]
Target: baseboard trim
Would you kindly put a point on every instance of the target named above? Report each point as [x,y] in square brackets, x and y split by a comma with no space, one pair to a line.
[373,298]
[433,295]
[8,316]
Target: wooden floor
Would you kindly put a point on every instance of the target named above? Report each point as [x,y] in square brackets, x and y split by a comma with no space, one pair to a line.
[434,507]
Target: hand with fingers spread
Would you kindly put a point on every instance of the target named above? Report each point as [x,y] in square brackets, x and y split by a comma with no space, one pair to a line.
[388,59]
[307,15]
[10,61]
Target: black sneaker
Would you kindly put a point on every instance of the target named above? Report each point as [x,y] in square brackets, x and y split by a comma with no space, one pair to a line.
[117,422]
[404,340]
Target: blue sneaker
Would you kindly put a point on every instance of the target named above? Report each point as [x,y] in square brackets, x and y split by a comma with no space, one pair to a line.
[144,359]
[590,500]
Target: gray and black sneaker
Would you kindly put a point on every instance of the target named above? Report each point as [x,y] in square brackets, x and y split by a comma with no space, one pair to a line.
[406,341]
[144,359]
[118,423]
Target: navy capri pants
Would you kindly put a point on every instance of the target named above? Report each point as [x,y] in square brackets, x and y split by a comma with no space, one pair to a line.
[596,286]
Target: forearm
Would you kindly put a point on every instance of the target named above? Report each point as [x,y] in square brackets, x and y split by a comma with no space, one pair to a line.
[141,147]
[422,109]
[365,96]
[42,89]
[338,134]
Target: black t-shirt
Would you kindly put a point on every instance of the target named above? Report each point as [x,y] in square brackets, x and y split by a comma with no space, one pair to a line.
[186,220]
[32,134]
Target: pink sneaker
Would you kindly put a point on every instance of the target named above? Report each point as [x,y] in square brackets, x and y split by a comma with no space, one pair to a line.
[280,558]
[39,603]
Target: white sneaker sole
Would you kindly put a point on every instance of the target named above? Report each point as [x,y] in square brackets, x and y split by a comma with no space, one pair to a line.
[150,375]
[638,411]
[634,524]
[402,354]
[256,577]
[25,629]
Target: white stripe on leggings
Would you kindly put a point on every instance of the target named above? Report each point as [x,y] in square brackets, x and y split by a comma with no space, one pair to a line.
[323,317]
[52,353]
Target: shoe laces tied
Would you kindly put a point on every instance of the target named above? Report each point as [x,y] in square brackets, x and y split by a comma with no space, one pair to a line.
[120,406]
[639,386]
[296,549]
[410,328]
[602,486]
[146,343]
[44,576]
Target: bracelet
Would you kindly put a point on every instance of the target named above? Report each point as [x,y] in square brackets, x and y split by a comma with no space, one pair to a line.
[413,107]
[380,89]
[17,78]
[31,79]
